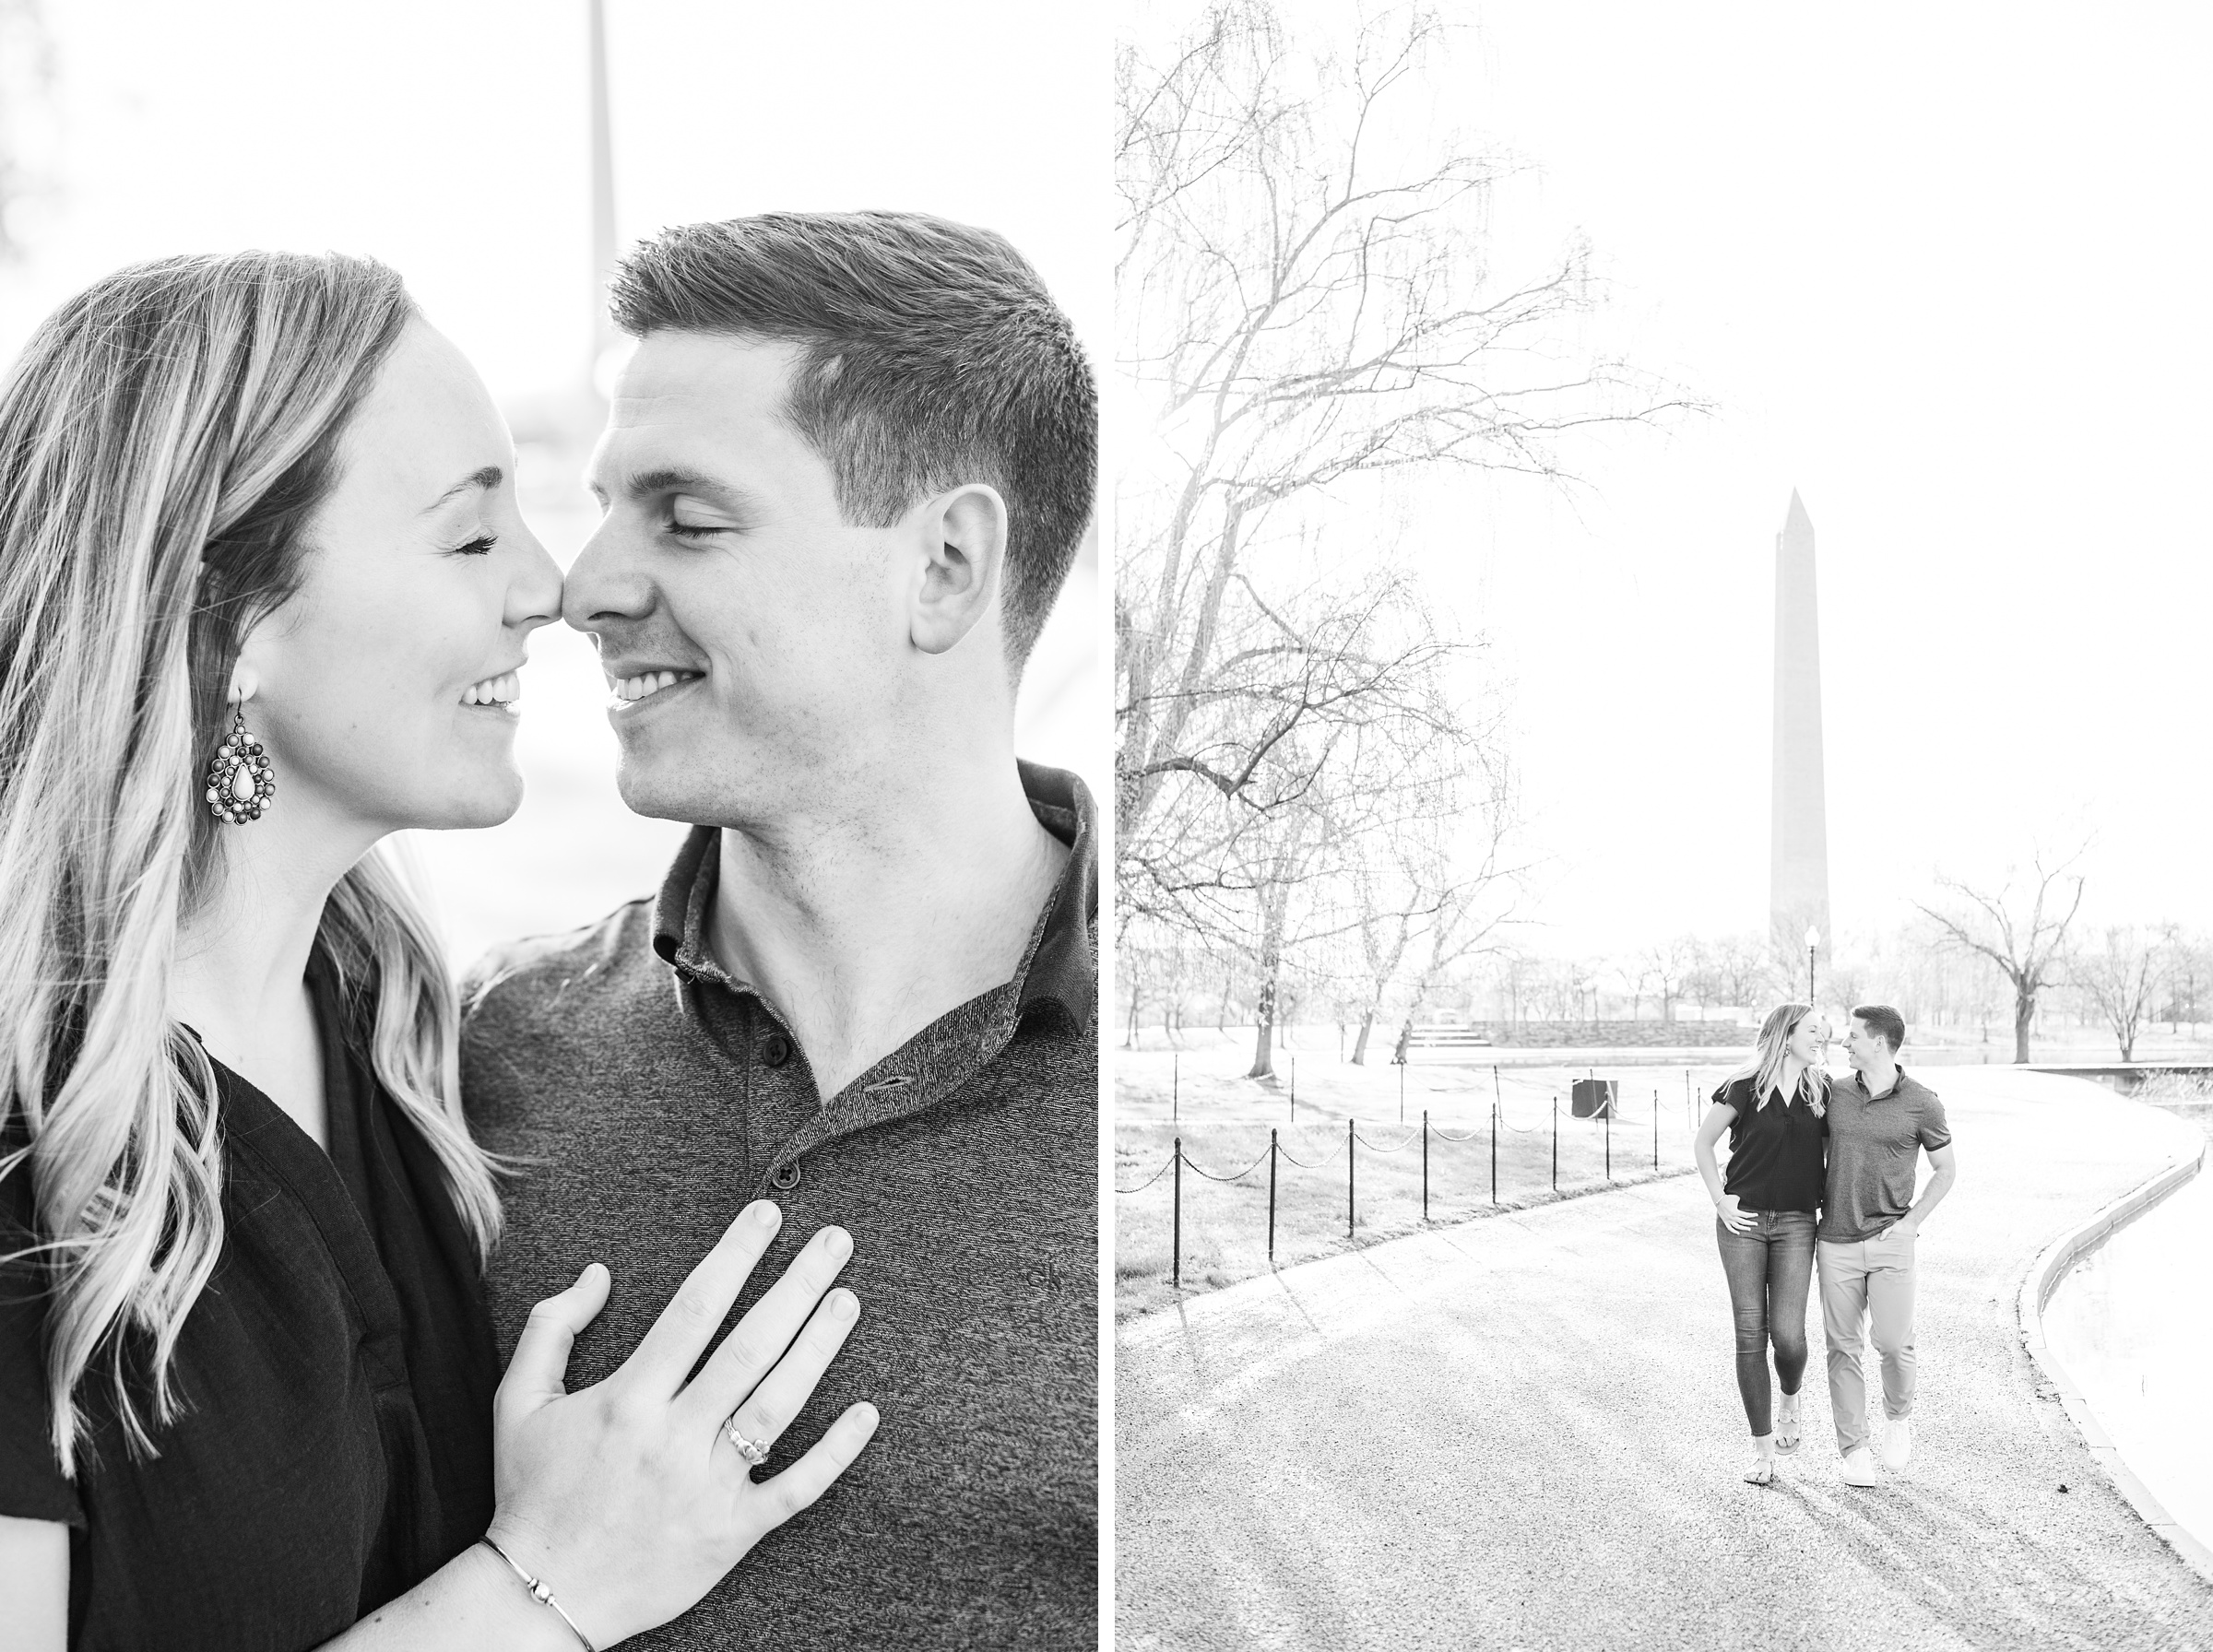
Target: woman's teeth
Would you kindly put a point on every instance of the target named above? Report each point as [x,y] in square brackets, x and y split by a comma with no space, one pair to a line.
[636,688]
[502,690]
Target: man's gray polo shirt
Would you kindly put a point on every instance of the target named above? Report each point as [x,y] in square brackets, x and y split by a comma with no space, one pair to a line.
[651,1096]
[1874,1145]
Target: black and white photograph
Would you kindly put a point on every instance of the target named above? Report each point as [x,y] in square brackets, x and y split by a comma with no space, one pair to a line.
[552,692]
[1660,1044]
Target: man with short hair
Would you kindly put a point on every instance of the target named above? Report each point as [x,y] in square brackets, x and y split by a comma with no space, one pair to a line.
[844,474]
[1880,1123]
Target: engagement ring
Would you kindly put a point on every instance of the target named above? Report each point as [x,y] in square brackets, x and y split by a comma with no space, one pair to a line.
[752,1451]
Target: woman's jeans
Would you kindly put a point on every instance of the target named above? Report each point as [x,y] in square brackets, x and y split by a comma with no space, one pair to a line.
[1770,1269]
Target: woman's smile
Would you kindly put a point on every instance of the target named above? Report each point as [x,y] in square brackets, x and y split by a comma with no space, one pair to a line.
[498,693]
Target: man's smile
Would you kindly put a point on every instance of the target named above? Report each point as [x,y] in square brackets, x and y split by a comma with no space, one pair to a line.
[636,688]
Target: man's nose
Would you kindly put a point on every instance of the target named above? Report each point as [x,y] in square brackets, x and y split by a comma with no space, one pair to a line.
[604,581]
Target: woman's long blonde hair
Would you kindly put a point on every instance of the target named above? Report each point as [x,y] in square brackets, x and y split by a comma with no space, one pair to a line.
[1766,1068]
[164,439]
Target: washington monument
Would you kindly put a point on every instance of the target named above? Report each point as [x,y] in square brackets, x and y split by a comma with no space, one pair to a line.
[1798,866]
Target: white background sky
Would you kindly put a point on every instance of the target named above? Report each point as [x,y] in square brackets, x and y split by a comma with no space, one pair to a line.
[1944,270]
[451,140]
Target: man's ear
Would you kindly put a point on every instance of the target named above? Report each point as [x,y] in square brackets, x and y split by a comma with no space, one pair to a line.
[963,541]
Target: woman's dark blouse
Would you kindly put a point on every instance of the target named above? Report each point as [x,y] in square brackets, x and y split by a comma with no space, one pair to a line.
[1776,1152]
[334,1447]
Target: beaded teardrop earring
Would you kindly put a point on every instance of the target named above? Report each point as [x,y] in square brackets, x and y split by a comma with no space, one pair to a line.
[240,783]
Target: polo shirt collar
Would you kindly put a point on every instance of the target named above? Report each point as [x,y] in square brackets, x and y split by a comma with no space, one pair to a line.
[1898,1085]
[1059,969]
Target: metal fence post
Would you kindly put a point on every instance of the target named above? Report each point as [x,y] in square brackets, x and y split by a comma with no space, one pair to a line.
[1348,1178]
[1424,1165]
[1494,1150]
[1555,1144]
[1271,1194]
[1176,1227]
[1655,1130]
[1609,1138]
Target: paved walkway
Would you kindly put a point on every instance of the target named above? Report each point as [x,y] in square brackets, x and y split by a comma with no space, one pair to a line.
[1523,1432]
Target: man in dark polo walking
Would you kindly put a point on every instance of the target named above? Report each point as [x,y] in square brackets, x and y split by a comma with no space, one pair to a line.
[844,476]
[1880,1123]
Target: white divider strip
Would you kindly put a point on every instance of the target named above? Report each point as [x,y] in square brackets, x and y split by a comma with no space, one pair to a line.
[2044,1276]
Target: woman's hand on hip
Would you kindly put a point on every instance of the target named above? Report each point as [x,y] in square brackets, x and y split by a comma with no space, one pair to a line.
[629,1499]
[1734,1217]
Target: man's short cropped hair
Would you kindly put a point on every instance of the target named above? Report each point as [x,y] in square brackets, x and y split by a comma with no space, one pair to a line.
[1881,1018]
[932,357]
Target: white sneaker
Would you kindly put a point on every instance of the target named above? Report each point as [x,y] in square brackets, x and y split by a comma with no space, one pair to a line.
[1787,1430]
[1858,1467]
[1898,1443]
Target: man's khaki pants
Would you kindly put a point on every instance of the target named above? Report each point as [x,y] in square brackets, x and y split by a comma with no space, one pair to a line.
[1867,1281]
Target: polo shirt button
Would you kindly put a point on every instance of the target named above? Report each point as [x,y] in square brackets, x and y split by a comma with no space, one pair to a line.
[784,1178]
[776,1049]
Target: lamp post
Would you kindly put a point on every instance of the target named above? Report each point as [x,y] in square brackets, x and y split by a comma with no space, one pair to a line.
[1813,940]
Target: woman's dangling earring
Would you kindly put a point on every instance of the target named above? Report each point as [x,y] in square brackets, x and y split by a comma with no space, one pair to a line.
[240,783]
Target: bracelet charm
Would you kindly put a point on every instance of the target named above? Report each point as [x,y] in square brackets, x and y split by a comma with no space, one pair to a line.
[540,1592]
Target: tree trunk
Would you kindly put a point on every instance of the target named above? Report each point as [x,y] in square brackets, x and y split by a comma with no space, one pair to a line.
[1129,1040]
[1264,1030]
[2024,1018]
[1367,1020]
[1278,900]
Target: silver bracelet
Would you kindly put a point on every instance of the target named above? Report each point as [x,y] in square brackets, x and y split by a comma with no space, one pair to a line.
[540,1592]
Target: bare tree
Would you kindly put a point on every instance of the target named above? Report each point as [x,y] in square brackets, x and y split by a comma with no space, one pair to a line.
[1740,967]
[2120,980]
[2020,926]
[1634,974]
[1300,314]
[1667,966]
[1461,927]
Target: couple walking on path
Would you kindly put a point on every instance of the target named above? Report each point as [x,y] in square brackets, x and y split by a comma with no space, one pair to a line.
[1803,1147]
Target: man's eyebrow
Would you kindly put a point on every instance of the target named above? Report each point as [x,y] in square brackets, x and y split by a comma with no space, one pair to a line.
[491,476]
[642,484]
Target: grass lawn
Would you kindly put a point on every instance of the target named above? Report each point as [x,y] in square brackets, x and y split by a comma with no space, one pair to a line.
[1200,1093]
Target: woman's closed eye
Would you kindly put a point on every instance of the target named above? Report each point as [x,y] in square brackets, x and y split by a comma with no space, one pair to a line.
[479,545]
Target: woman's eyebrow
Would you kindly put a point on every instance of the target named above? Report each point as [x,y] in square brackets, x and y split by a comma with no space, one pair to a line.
[491,476]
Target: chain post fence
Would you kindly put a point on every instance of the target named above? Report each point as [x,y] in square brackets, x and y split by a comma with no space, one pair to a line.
[1272,1152]
[1349,1156]
[1175,1233]
[1406,1195]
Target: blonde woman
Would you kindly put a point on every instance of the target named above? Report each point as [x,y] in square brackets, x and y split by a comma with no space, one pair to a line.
[1776,1113]
[263,593]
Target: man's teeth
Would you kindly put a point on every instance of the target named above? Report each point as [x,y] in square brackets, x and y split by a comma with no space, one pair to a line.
[653,682]
[494,691]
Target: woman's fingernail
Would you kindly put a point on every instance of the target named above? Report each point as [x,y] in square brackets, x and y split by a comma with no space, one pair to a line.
[768,1215]
[837,1241]
[844,1305]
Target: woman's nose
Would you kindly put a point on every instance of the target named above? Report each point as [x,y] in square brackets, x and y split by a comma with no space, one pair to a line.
[534,596]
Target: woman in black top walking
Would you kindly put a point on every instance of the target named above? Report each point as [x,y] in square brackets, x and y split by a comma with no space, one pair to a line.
[264,590]
[1776,1113]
